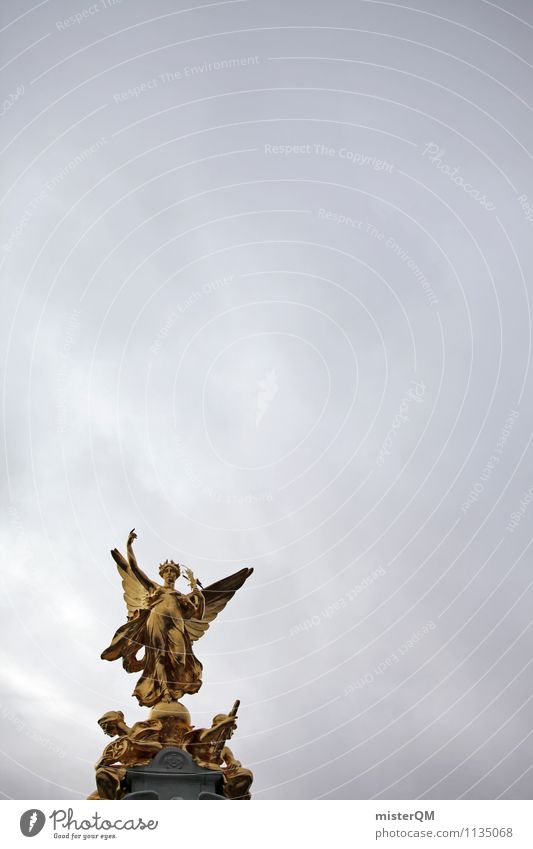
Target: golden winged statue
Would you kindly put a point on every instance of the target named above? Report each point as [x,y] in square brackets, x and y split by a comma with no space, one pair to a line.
[163,624]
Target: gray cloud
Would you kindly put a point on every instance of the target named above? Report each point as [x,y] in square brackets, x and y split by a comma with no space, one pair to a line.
[234,238]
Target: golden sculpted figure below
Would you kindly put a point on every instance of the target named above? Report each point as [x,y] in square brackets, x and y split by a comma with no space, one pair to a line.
[163,624]
[208,748]
[136,746]
[131,747]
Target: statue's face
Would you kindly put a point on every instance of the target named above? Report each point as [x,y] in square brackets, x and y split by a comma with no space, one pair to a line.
[169,576]
[110,723]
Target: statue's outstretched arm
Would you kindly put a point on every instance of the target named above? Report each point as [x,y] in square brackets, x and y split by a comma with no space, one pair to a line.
[132,566]
[136,585]
[132,560]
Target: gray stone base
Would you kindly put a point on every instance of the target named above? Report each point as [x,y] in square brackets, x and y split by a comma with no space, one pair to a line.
[172,774]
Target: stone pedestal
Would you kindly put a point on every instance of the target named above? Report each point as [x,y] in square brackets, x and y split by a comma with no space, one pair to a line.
[172,774]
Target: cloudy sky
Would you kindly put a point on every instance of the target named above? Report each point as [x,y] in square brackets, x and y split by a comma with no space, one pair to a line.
[266,271]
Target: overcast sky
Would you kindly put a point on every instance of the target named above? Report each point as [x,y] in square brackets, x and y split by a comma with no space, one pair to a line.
[266,270]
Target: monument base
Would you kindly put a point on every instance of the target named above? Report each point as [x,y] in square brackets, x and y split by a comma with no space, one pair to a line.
[173,774]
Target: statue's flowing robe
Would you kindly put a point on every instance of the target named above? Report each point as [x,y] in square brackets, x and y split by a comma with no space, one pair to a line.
[169,666]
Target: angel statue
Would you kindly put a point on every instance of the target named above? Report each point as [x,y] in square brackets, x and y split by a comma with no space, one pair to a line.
[165,623]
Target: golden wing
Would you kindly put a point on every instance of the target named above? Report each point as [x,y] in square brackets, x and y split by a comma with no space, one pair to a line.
[214,735]
[216,598]
[136,585]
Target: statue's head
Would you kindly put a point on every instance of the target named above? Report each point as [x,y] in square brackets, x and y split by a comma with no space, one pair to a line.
[111,721]
[170,572]
[224,718]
